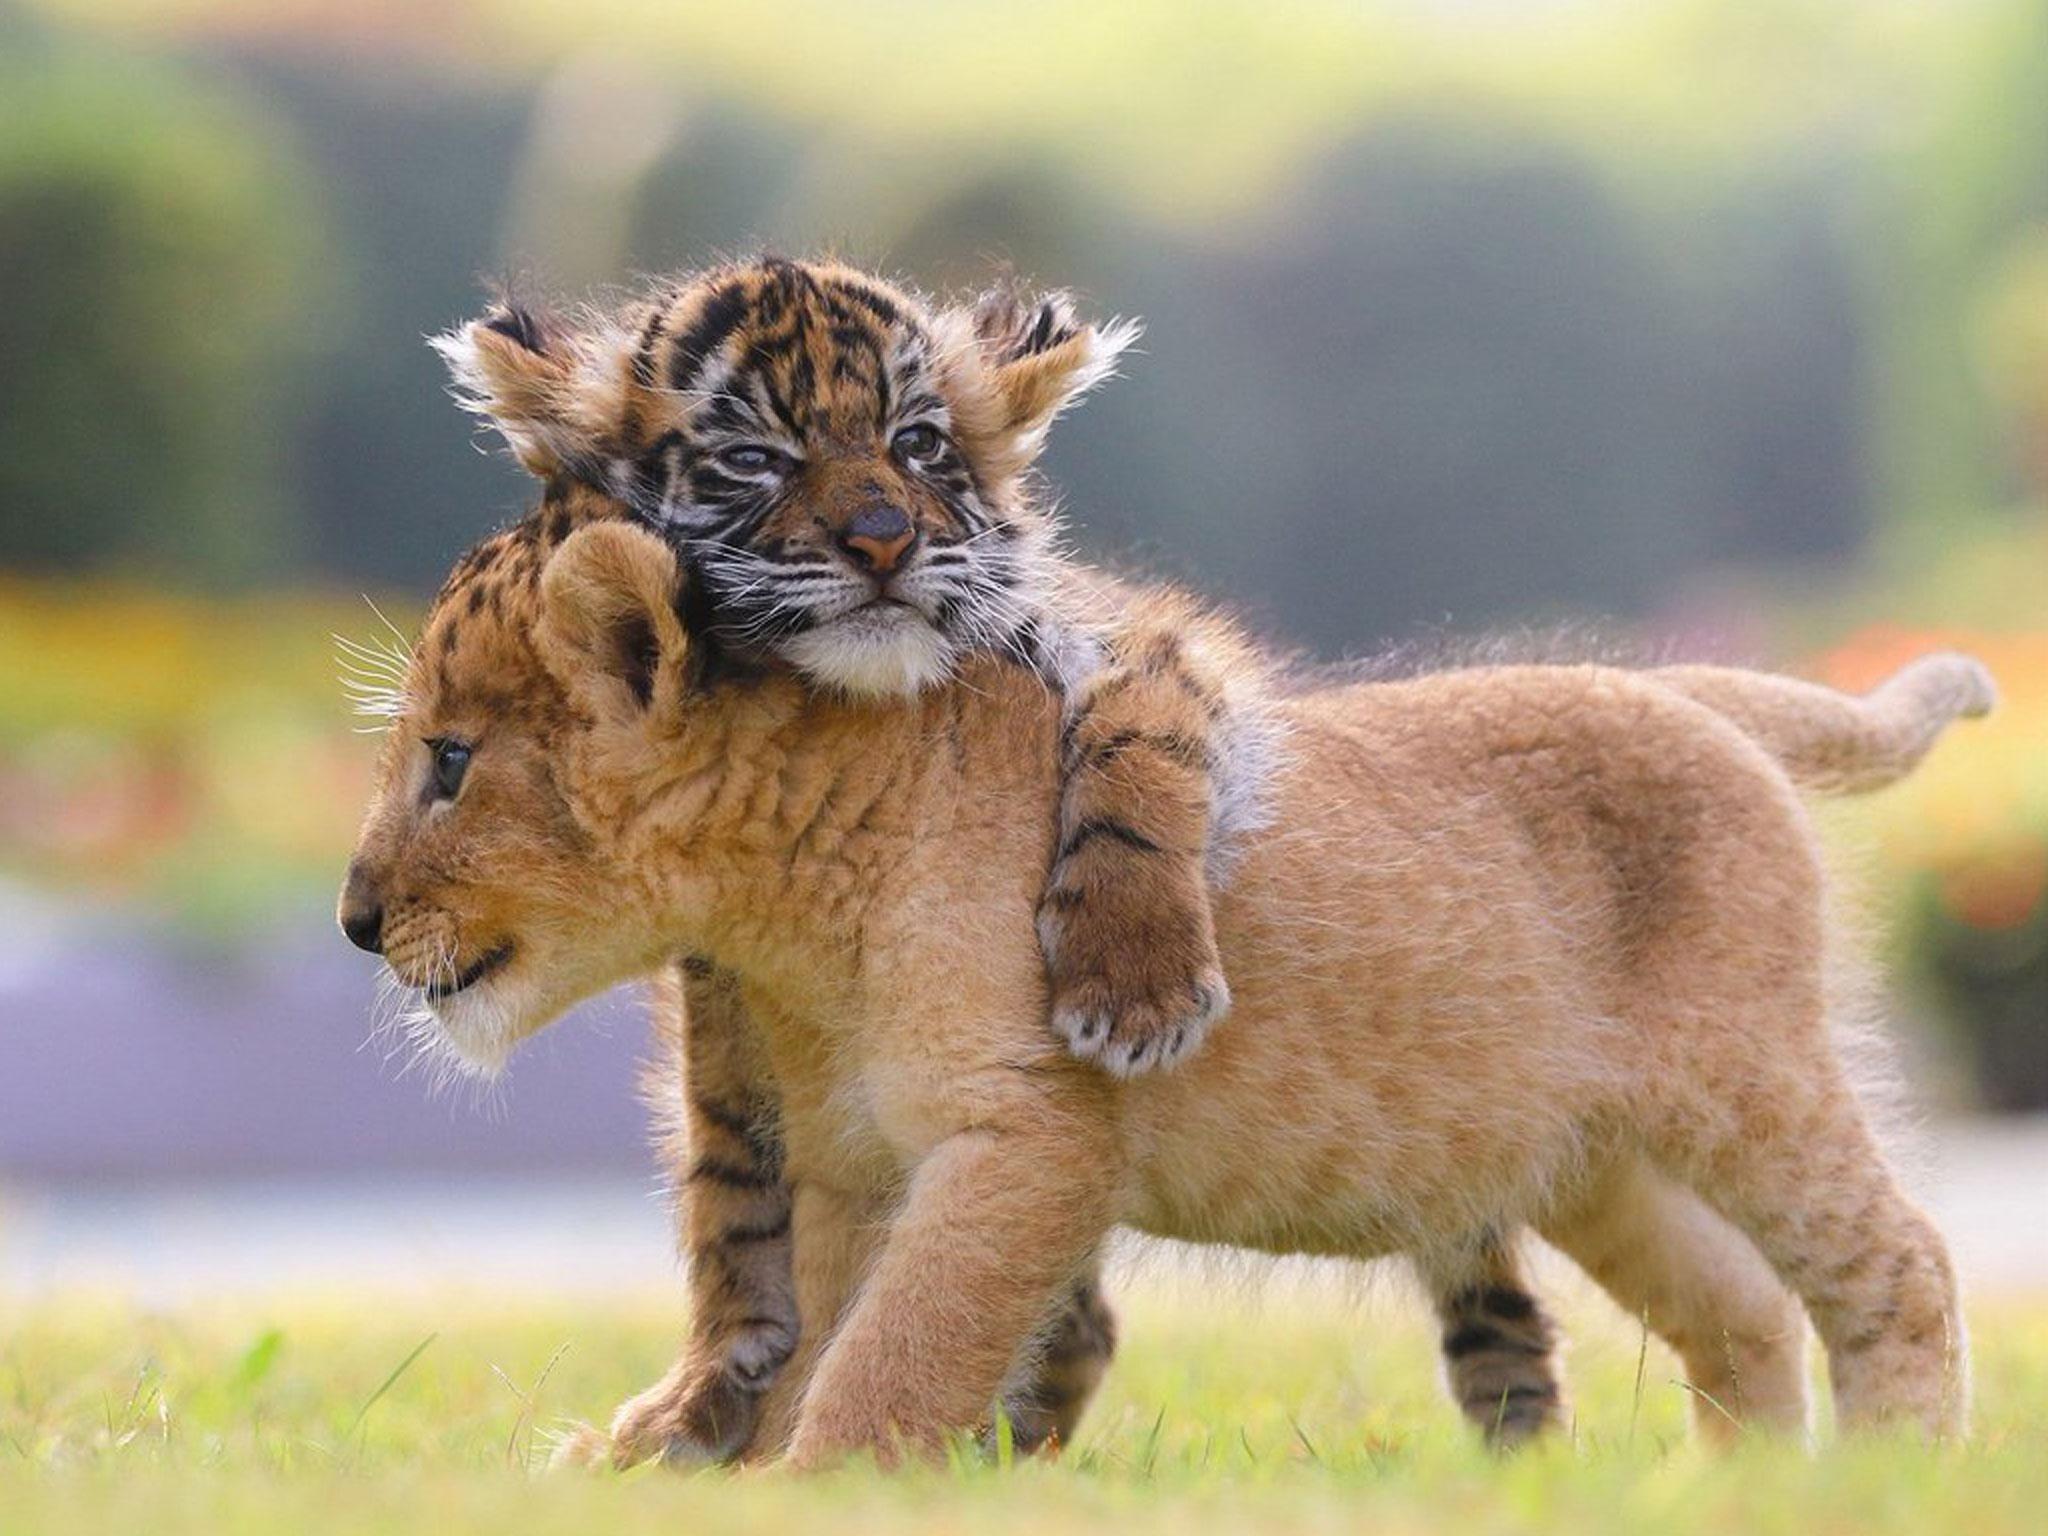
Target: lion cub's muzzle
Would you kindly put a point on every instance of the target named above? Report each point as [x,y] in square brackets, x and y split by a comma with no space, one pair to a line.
[423,950]
[487,964]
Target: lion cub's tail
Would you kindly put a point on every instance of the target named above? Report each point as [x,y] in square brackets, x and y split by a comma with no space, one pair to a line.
[1843,743]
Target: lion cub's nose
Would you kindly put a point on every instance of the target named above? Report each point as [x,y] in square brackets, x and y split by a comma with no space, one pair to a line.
[362,915]
[879,536]
[365,929]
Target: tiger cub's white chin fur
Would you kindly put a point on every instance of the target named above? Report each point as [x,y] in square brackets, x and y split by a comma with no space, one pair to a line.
[874,651]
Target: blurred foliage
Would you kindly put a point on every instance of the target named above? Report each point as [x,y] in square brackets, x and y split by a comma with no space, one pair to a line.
[154,256]
[1723,320]
[1965,194]
[1494,320]
[1962,847]
[190,752]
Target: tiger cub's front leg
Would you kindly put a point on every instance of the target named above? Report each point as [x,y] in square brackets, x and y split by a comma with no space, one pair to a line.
[1045,1399]
[723,1150]
[1125,922]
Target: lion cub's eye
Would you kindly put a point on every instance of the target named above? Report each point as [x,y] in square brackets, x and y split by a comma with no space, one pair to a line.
[451,762]
[751,459]
[920,440]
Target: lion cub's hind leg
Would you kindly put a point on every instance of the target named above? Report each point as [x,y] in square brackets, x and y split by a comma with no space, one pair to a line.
[1500,1349]
[1820,1203]
[1129,939]
[1700,1286]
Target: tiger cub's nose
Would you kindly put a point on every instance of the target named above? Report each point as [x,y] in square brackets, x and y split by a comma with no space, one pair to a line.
[878,537]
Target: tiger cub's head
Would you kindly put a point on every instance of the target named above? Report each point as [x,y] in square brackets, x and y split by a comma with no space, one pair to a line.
[841,465]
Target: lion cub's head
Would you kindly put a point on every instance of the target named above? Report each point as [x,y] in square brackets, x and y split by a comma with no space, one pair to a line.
[544,696]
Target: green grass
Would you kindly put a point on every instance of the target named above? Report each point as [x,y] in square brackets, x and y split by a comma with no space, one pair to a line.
[1304,1414]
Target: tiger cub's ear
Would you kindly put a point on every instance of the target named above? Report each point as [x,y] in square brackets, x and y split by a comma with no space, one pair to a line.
[1037,358]
[552,391]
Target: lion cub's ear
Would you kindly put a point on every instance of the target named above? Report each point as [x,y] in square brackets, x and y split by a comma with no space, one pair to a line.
[608,627]
[552,390]
[1036,357]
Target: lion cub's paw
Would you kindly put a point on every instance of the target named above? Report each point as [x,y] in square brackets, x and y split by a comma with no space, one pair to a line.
[1134,993]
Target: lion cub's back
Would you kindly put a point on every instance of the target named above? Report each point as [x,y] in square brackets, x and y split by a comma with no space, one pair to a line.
[1427,952]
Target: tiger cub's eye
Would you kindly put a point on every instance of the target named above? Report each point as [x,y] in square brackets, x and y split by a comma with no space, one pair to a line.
[920,440]
[749,458]
[451,762]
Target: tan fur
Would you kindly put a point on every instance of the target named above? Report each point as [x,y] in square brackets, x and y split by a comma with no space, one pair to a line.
[1841,745]
[1515,934]
[1672,1261]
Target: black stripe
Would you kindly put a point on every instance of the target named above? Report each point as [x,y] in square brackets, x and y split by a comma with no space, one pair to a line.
[1507,1302]
[803,373]
[1513,1305]
[1042,333]
[762,1232]
[643,358]
[656,452]
[884,391]
[1171,744]
[1474,1337]
[727,1119]
[777,406]
[875,303]
[518,325]
[717,320]
[1108,826]
[726,412]
[716,1170]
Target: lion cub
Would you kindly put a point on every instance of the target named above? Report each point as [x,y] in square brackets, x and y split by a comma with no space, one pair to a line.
[1522,946]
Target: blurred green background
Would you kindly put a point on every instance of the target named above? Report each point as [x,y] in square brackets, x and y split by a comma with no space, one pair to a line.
[1722,325]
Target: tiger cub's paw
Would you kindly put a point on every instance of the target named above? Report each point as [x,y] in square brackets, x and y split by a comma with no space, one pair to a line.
[702,1411]
[1135,977]
[578,1445]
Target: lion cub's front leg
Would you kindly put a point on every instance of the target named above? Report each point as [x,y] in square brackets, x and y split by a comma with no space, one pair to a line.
[723,1148]
[1129,940]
